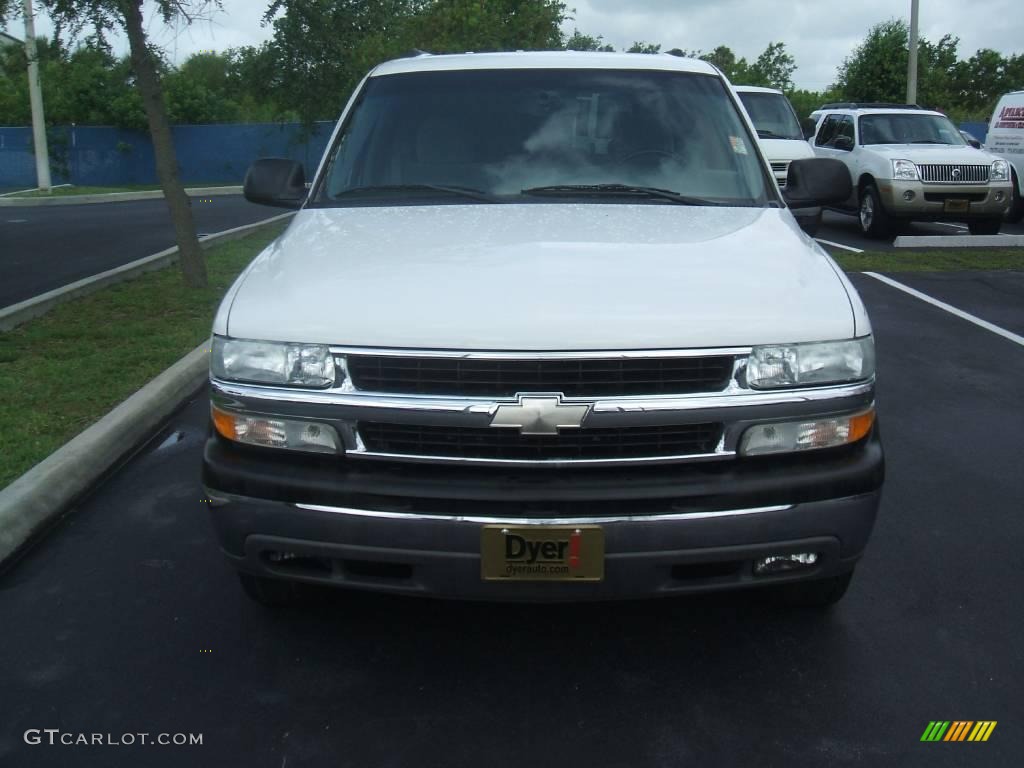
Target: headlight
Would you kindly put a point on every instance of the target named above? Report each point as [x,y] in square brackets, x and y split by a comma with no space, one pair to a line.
[807,435]
[904,170]
[1000,171]
[801,365]
[270,362]
[274,432]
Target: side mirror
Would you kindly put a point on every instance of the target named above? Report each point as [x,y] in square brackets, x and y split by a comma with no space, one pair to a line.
[974,143]
[809,127]
[845,143]
[817,181]
[276,181]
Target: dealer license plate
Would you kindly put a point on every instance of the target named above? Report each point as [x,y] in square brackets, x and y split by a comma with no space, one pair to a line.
[956,206]
[542,552]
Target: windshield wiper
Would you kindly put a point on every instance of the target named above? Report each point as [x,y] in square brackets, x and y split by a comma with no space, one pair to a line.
[928,141]
[475,194]
[616,190]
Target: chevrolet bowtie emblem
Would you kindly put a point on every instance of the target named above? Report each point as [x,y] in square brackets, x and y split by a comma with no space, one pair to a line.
[539,415]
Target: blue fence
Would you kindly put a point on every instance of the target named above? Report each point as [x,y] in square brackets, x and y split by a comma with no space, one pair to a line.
[102,156]
[207,154]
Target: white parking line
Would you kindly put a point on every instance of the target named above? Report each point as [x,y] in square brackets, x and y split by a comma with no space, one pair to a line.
[947,224]
[949,308]
[839,245]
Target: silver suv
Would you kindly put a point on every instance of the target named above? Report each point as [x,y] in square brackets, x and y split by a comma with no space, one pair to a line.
[544,328]
[911,164]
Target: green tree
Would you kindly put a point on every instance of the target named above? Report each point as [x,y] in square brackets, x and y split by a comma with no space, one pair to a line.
[724,58]
[580,42]
[774,68]
[641,46]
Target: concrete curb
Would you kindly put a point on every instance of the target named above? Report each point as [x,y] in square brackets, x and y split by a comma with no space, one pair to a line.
[38,498]
[112,197]
[16,314]
[958,241]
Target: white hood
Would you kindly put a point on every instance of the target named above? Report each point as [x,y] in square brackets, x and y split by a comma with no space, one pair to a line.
[540,277]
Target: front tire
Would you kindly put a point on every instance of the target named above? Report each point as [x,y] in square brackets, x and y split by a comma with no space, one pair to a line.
[1016,210]
[985,226]
[817,595]
[875,221]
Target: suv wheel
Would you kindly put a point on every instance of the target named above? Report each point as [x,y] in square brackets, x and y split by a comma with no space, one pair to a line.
[985,226]
[815,595]
[874,219]
[1016,210]
[270,592]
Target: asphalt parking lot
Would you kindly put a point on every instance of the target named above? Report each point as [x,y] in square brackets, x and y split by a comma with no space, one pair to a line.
[125,620]
[843,231]
[46,247]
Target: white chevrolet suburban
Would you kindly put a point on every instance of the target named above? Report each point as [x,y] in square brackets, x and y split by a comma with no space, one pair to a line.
[911,164]
[544,328]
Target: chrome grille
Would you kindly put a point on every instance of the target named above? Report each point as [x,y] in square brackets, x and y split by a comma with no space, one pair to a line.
[954,174]
[488,443]
[480,377]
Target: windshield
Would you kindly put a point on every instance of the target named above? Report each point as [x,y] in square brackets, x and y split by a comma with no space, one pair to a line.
[772,115]
[500,132]
[909,129]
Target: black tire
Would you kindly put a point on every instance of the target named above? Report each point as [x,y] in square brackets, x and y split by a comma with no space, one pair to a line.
[1016,210]
[810,224]
[270,592]
[819,594]
[874,220]
[985,226]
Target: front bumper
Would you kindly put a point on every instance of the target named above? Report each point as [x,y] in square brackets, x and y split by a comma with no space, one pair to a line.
[929,200]
[417,531]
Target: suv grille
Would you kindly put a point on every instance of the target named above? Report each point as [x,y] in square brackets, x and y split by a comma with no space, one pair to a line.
[507,378]
[781,170]
[508,444]
[954,174]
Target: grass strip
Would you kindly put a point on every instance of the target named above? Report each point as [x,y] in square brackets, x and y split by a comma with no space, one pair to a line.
[65,370]
[71,191]
[937,260]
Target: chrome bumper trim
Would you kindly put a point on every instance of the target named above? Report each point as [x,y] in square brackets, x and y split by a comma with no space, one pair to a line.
[270,396]
[483,519]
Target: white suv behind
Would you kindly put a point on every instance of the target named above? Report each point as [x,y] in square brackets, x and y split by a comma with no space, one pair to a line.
[911,164]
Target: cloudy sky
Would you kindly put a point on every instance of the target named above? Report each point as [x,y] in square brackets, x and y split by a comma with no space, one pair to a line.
[818,33]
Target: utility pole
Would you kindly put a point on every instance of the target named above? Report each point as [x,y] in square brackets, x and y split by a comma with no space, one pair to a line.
[912,63]
[35,97]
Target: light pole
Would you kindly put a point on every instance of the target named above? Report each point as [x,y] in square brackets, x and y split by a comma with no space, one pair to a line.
[912,63]
[35,97]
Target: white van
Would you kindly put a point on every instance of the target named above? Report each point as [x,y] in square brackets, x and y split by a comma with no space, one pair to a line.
[1006,140]
[781,138]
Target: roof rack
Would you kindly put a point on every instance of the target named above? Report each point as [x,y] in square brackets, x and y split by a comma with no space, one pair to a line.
[868,105]
[413,53]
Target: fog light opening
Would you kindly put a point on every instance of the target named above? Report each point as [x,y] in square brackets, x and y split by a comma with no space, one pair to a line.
[773,564]
[909,195]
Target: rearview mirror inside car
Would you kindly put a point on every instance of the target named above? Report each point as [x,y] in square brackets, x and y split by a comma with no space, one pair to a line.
[817,181]
[276,181]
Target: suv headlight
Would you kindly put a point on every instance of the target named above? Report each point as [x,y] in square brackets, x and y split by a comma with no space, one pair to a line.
[818,363]
[904,170]
[272,362]
[1000,171]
